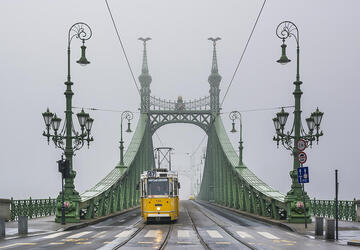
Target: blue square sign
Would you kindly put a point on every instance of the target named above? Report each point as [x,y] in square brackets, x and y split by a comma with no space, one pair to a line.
[303,174]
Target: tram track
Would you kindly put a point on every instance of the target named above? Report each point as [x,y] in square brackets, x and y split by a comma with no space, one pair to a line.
[131,237]
[224,228]
[203,243]
[164,243]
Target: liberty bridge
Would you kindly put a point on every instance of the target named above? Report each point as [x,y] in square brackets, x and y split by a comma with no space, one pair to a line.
[234,209]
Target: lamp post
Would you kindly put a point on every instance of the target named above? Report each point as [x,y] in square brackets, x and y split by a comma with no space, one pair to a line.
[128,115]
[236,115]
[67,138]
[289,139]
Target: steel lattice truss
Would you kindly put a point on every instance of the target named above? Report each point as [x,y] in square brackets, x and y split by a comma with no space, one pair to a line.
[201,118]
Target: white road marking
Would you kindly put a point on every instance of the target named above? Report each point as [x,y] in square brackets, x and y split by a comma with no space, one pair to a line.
[52,236]
[125,233]
[214,234]
[244,234]
[19,244]
[292,234]
[183,233]
[223,243]
[153,234]
[99,235]
[268,235]
[78,235]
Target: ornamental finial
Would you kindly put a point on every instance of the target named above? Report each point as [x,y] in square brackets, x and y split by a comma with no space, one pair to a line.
[144,68]
[214,67]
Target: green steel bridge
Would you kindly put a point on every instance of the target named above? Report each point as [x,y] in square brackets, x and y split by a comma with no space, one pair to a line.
[225,181]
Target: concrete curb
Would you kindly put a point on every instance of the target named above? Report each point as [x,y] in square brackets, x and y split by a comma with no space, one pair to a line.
[353,243]
[96,220]
[253,216]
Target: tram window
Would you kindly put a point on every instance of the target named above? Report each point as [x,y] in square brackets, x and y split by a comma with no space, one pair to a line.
[158,186]
[143,192]
[175,188]
[171,187]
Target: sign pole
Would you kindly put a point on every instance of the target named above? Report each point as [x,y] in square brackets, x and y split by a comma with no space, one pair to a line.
[303,189]
[336,205]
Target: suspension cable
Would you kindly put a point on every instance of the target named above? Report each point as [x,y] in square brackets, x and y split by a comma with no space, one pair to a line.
[242,55]
[122,47]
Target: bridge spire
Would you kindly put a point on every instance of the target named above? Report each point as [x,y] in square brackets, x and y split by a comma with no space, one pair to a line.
[145,79]
[214,79]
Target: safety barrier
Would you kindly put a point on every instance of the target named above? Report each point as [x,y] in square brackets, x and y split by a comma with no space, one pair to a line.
[32,208]
[326,208]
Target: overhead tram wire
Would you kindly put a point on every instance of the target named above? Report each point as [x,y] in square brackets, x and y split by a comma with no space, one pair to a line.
[122,47]
[242,55]
[241,111]
[118,111]
[261,109]
[197,148]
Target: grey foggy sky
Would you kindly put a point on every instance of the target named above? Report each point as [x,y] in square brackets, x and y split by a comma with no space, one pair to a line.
[33,37]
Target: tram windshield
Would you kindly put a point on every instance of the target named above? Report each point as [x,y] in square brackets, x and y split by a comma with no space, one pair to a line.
[158,186]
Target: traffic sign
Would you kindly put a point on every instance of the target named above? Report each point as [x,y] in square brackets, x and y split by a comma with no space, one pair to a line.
[301,145]
[303,175]
[302,157]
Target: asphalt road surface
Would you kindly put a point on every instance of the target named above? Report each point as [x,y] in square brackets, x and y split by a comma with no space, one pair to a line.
[200,226]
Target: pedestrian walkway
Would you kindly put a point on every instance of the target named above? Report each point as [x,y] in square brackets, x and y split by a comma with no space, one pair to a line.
[349,231]
[45,225]
[36,226]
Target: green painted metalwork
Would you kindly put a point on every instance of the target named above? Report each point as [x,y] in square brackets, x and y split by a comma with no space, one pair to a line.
[67,138]
[326,208]
[224,180]
[32,208]
[296,195]
[236,186]
[117,191]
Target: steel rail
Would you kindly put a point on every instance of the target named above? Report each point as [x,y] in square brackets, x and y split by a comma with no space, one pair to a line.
[225,229]
[164,243]
[131,237]
[203,243]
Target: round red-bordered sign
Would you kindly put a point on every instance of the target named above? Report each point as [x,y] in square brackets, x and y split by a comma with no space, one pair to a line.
[301,145]
[302,157]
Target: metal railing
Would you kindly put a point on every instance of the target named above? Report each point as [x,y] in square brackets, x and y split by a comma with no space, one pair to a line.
[326,208]
[32,208]
[161,104]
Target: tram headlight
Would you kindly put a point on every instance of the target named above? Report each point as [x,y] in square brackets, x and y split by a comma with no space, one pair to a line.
[158,208]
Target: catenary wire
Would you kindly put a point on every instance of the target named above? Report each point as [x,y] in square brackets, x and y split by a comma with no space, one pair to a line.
[122,47]
[119,111]
[260,109]
[243,53]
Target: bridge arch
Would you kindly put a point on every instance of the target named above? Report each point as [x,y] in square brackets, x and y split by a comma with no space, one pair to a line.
[224,181]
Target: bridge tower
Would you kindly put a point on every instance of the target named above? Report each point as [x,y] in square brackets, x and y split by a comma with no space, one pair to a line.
[214,80]
[145,80]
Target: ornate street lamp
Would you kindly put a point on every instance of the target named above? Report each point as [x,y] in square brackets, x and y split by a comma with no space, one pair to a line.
[67,138]
[236,115]
[289,139]
[128,115]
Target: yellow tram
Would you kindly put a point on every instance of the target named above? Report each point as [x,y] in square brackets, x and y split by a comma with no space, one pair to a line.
[159,189]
